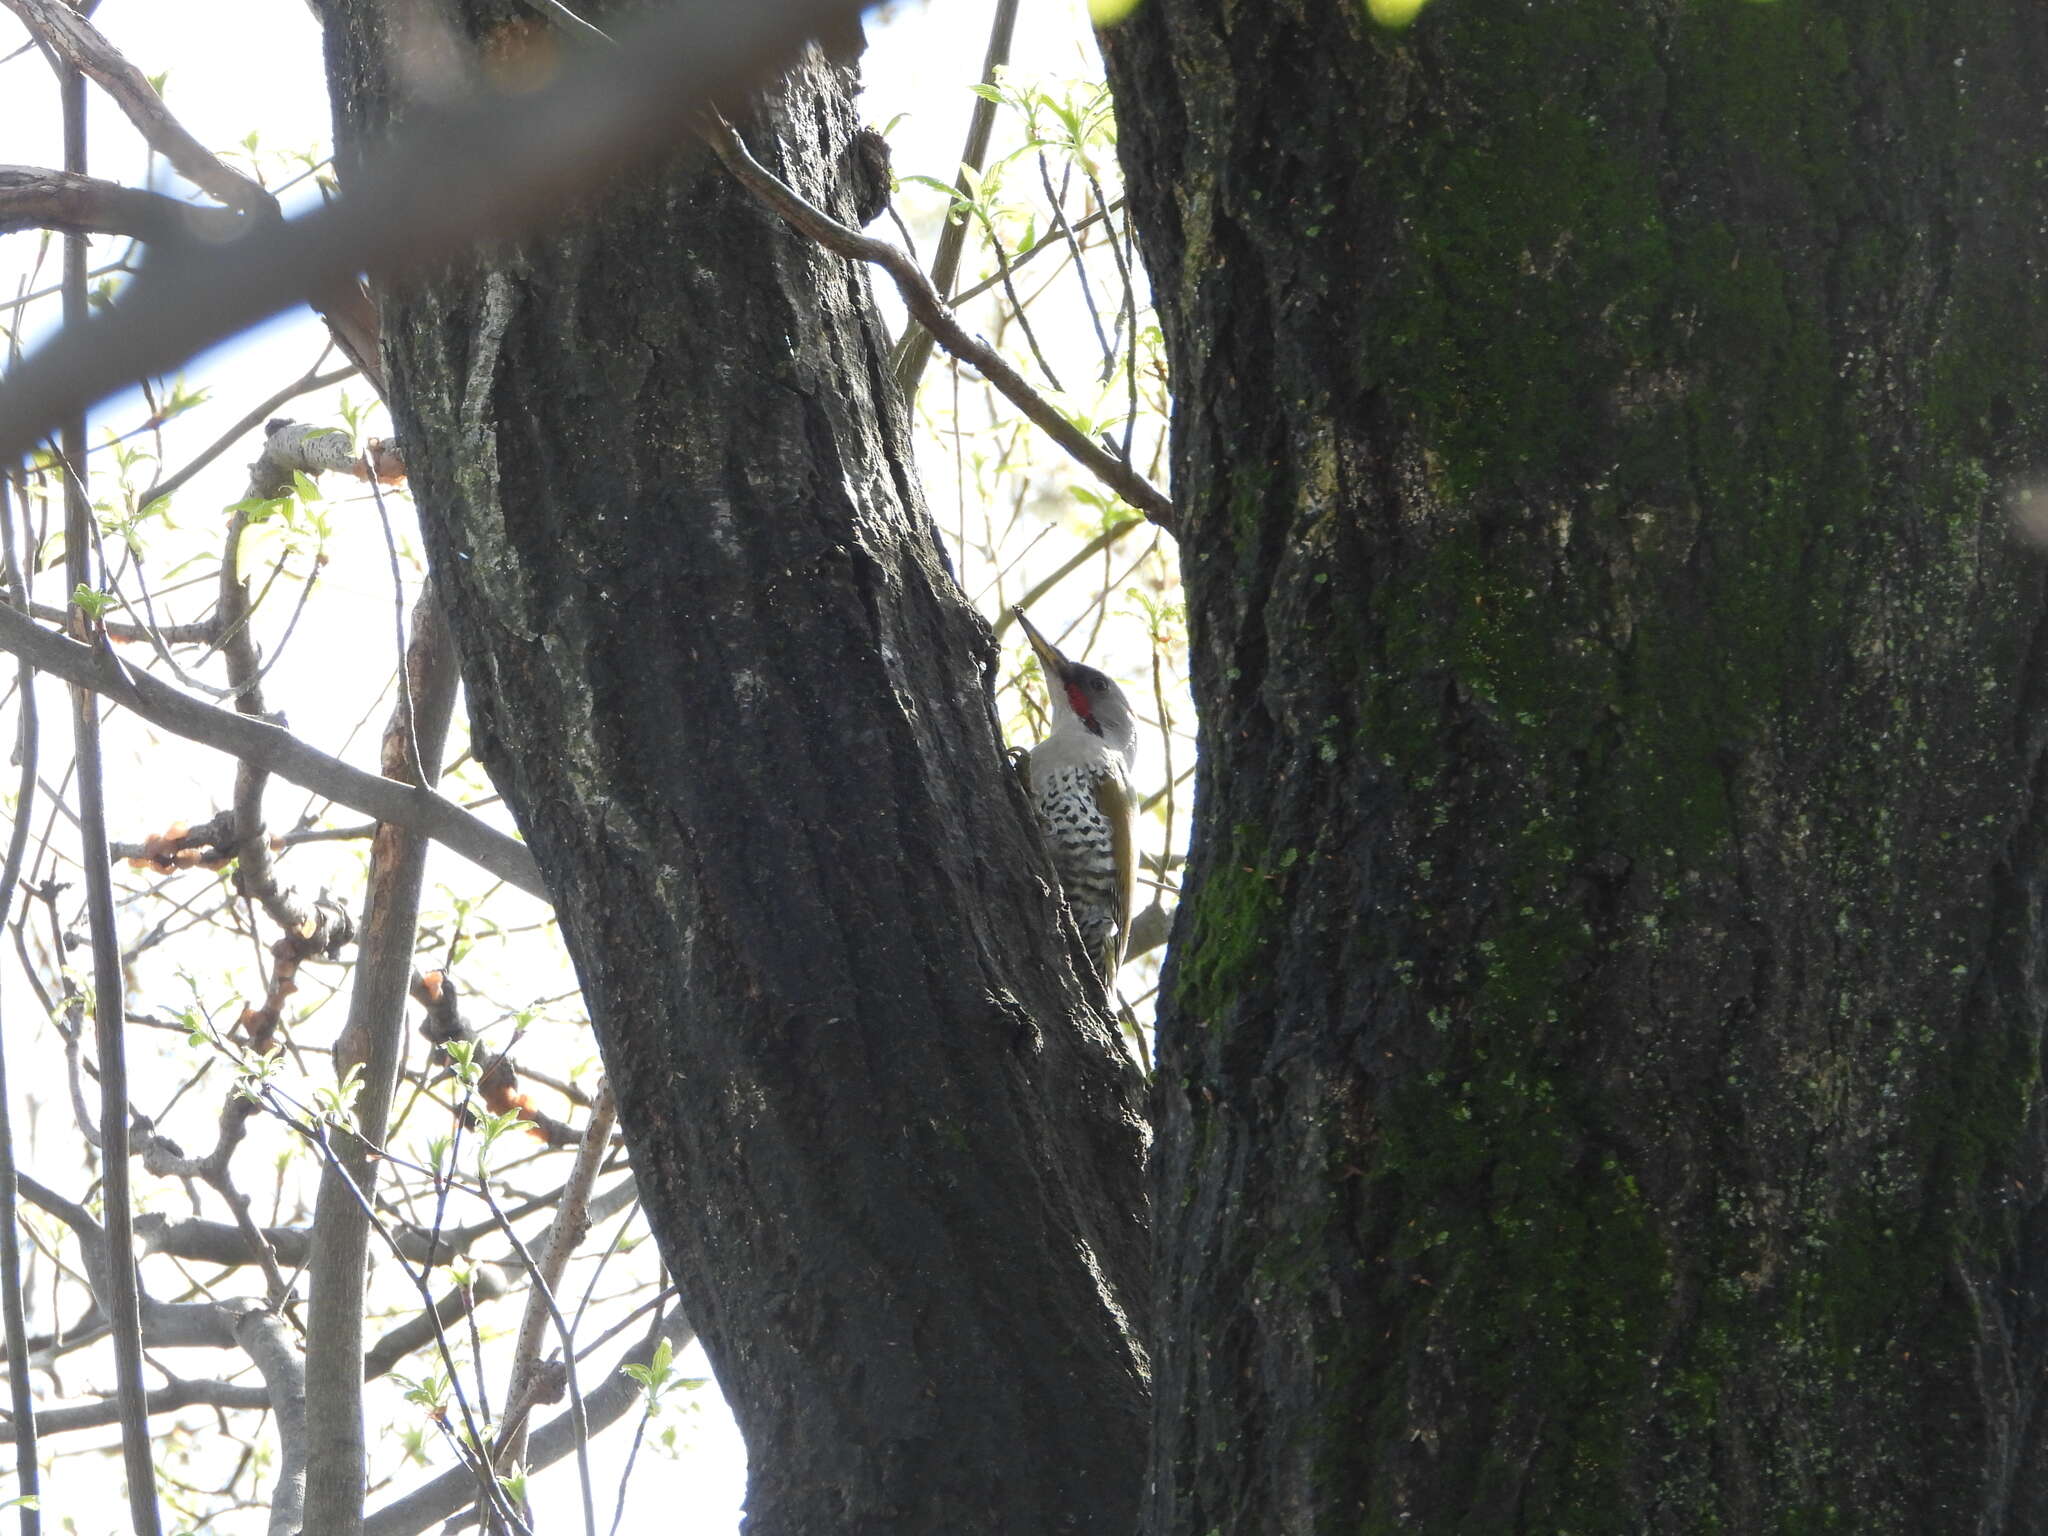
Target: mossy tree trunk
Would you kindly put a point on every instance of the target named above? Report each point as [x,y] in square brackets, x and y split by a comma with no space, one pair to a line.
[1600,1062]
[718,667]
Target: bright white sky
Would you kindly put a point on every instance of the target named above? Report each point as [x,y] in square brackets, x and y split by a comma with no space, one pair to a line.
[239,65]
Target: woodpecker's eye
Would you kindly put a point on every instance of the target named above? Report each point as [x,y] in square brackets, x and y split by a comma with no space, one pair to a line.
[1091,680]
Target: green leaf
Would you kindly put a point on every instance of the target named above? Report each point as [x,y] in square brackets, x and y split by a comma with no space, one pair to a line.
[261,507]
[430,1392]
[462,1057]
[92,604]
[494,1126]
[958,202]
[337,1105]
[183,398]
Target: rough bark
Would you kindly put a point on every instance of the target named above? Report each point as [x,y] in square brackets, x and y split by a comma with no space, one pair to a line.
[718,667]
[1600,1059]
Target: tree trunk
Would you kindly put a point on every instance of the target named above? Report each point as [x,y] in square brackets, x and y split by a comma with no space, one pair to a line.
[718,665]
[1600,1058]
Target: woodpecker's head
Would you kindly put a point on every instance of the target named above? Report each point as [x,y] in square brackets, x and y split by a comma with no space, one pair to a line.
[1083,699]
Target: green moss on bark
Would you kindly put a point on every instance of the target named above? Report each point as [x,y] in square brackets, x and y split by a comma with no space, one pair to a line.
[1631,1101]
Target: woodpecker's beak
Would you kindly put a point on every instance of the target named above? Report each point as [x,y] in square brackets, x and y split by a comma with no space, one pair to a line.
[1056,666]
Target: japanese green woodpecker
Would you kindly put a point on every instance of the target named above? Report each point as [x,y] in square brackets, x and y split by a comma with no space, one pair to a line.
[1080,780]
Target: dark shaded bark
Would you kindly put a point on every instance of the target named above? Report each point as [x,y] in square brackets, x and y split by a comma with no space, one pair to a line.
[1600,1059]
[718,667]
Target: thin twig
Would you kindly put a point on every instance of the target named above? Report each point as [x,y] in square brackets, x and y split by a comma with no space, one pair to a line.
[633,1451]
[27,1472]
[1051,240]
[122,1302]
[486,1283]
[87,50]
[914,350]
[442,1496]
[170,634]
[579,1419]
[1017,308]
[274,748]
[1080,557]
[372,1046]
[405,710]
[250,421]
[122,263]
[924,303]
[316,1133]
[1056,198]
[565,1233]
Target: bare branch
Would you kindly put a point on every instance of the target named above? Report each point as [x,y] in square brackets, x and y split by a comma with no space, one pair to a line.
[602,1407]
[216,1242]
[250,421]
[579,1412]
[565,1234]
[165,1324]
[420,1330]
[1051,239]
[201,633]
[83,46]
[372,1043]
[163,1158]
[21,1395]
[915,348]
[289,449]
[265,1340]
[121,1298]
[455,175]
[179,1394]
[1071,564]
[227,1243]
[272,747]
[931,311]
[32,197]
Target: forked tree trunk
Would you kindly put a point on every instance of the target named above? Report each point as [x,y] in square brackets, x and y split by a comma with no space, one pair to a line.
[717,664]
[1601,1053]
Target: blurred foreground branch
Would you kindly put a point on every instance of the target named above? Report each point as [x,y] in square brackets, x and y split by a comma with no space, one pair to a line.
[480,169]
